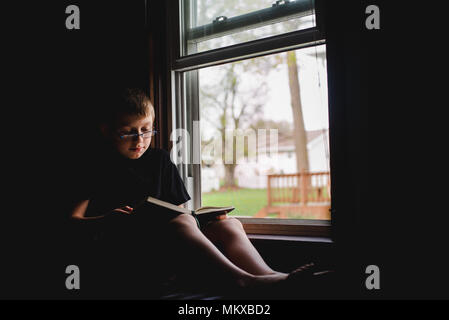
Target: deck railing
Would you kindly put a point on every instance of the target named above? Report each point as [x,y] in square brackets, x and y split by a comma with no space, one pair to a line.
[301,192]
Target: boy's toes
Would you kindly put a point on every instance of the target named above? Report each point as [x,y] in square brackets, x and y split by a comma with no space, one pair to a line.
[305,270]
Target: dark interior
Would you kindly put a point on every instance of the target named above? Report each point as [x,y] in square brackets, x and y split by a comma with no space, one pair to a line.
[65,73]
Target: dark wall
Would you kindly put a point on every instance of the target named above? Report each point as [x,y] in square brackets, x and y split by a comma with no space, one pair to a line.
[57,79]
[379,156]
[382,105]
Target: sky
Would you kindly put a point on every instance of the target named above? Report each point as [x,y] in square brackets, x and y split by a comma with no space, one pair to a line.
[313,98]
[312,72]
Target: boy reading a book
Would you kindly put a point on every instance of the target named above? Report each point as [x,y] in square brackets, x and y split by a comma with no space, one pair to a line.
[129,171]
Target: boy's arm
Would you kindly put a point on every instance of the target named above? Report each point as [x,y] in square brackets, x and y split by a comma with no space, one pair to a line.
[79,211]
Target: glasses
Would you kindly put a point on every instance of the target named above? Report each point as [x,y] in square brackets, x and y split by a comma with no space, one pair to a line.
[133,136]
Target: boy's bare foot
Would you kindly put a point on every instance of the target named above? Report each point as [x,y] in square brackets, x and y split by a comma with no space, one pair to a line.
[259,281]
[253,281]
[303,271]
[307,280]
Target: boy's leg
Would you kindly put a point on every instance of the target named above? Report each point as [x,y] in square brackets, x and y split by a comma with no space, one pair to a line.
[230,237]
[200,254]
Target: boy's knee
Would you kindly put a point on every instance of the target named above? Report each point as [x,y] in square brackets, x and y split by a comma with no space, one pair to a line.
[232,224]
[226,226]
[183,221]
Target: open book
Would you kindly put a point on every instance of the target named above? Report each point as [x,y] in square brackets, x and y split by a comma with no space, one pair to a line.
[202,214]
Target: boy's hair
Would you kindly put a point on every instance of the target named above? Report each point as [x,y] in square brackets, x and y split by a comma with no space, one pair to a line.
[129,101]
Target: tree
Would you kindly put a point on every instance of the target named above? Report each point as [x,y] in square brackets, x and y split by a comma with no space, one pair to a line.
[230,106]
[300,137]
[207,11]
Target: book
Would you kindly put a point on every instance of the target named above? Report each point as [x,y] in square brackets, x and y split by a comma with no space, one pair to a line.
[202,214]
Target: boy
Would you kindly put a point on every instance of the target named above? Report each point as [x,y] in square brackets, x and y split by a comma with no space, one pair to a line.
[130,170]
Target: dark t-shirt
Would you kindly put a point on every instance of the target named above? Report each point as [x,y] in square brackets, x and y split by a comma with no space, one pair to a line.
[138,246]
[114,181]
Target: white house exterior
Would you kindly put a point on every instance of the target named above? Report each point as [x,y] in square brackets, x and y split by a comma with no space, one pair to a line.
[253,173]
[210,180]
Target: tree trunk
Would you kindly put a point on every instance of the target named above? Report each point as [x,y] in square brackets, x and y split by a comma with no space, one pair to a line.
[229,179]
[229,176]
[299,132]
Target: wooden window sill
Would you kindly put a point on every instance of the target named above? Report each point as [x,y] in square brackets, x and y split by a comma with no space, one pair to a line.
[287,227]
[269,237]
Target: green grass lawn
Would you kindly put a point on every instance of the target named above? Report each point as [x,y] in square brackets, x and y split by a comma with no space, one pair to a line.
[247,202]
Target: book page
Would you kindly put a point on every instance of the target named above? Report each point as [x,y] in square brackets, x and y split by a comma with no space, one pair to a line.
[209,207]
[203,210]
[167,205]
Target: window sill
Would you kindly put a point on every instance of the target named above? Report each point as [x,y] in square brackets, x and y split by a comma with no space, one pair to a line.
[287,227]
[293,239]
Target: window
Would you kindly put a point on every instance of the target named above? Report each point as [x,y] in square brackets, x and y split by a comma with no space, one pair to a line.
[211,24]
[250,92]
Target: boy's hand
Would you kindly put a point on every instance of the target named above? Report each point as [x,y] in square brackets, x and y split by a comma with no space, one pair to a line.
[123,210]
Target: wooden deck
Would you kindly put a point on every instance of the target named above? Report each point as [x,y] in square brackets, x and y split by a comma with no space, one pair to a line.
[305,193]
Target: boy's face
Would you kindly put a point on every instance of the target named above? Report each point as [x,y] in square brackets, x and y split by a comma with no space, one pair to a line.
[129,146]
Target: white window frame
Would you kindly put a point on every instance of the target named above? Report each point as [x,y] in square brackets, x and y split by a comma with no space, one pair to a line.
[191,173]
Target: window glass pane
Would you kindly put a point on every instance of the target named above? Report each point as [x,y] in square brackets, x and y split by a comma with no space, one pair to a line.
[212,24]
[264,135]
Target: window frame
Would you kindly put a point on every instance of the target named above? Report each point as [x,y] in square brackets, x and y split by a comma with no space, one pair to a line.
[178,67]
